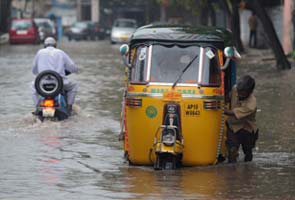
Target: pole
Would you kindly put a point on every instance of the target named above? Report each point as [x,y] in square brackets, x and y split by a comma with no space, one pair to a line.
[33,9]
[286,27]
[95,10]
[79,10]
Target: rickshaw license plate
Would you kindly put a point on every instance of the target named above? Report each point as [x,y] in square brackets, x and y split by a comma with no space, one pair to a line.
[172,96]
[48,112]
[192,110]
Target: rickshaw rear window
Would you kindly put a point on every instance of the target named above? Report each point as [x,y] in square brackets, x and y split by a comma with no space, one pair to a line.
[167,63]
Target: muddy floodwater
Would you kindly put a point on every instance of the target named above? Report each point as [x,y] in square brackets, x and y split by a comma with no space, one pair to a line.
[81,158]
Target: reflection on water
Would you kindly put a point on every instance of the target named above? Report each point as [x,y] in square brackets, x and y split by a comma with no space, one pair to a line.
[81,158]
[240,181]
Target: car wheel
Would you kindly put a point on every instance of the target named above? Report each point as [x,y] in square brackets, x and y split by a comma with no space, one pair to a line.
[49,83]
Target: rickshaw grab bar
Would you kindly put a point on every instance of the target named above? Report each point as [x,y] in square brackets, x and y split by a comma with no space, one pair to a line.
[226,64]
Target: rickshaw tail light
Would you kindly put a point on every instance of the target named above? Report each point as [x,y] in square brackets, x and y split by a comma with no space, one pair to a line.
[134,102]
[212,105]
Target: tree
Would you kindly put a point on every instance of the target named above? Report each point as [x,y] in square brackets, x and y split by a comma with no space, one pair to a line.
[164,6]
[205,9]
[293,22]
[282,61]
[231,8]
[236,28]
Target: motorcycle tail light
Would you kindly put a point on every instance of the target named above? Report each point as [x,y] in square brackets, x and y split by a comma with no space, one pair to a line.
[211,105]
[47,103]
[134,102]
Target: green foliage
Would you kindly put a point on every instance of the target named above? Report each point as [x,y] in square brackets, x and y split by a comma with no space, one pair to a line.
[110,3]
[193,6]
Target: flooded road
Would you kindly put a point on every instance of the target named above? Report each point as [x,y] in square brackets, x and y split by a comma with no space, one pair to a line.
[81,158]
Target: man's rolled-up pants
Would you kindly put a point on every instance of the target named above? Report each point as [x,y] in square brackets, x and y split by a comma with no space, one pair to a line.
[70,87]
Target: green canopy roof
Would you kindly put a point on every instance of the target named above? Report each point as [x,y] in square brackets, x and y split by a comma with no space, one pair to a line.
[184,34]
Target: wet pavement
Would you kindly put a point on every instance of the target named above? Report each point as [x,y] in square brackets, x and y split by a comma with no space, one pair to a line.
[81,158]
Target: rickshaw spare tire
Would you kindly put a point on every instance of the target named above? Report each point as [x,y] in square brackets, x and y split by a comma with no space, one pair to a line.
[49,83]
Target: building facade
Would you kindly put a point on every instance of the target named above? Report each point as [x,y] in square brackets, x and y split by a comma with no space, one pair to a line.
[5,6]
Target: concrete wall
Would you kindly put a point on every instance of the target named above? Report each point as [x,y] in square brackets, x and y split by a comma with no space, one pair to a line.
[95,10]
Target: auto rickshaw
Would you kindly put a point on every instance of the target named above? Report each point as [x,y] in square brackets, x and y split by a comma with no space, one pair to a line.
[177,78]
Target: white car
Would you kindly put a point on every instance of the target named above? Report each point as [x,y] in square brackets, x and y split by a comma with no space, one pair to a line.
[122,30]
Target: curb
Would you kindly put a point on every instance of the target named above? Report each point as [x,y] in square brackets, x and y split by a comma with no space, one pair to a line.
[4,38]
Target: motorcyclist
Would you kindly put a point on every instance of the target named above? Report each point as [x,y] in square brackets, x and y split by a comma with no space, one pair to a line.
[241,123]
[52,58]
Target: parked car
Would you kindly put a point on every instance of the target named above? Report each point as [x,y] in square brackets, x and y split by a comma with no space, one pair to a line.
[122,30]
[100,31]
[23,31]
[85,30]
[79,31]
[46,28]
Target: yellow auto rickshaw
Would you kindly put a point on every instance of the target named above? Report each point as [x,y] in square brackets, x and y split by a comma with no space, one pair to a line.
[174,97]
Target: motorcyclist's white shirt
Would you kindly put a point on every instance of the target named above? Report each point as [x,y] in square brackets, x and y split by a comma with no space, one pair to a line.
[51,58]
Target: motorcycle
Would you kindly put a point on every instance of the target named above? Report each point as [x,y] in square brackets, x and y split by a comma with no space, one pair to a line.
[52,103]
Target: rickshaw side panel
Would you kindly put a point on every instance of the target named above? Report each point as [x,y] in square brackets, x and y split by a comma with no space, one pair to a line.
[142,124]
[201,135]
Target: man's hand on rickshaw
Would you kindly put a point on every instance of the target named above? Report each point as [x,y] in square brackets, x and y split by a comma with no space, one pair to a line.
[229,112]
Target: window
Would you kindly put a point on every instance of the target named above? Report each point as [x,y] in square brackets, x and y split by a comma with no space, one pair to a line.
[43,25]
[125,23]
[139,65]
[81,25]
[21,25]
[168,62]
[211,74]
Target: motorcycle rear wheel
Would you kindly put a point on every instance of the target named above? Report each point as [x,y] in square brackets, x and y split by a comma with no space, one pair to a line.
[59,83]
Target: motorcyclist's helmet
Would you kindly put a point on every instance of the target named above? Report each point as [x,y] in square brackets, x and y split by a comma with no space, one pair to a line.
[245,87]
[50,41]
